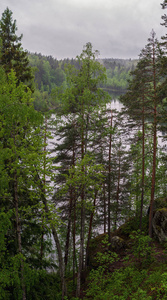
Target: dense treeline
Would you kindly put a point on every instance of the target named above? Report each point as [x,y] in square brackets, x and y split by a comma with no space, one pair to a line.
[72,166]
[118,73]
[50,73]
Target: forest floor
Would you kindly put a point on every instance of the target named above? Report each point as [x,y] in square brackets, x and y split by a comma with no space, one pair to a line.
[126,258]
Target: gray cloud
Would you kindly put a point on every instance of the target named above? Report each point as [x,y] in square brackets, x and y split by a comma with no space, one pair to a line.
[61,27]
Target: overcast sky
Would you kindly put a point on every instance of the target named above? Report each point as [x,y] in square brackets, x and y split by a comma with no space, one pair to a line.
[117,28]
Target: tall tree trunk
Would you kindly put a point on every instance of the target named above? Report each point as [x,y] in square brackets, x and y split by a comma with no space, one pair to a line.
[82,236]
[71,206]
[74,217]
[61,262]
[68,230]
[90,229]
[154,146]
[58,246]
[44,183]
[109,183]
[143,165]
[105,210]
[82,222]
[18,226]
[153,174]
[18,229]
[74,250]
[117,196]
[55,236]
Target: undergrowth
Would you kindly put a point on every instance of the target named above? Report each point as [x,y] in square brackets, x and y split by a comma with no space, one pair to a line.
[140,276]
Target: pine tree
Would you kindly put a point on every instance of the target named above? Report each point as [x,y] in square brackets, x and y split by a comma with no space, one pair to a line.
[163,88]
[80,101]
[12,54]
[136,101]
[143,101]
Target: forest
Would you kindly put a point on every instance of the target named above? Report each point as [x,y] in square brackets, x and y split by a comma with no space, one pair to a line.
[83,186]
[49,74]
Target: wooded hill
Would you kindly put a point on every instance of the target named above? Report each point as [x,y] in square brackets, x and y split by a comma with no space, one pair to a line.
[50,73]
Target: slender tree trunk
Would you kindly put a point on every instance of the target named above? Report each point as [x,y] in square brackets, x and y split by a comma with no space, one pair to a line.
[18,229]
[82,236]
[74,216]
[153,174]
[143,165]
[105,209]
[154,147]
[90,229]
[18,226]
[109,184]
[117,196]
[68,230]
[59,251]
[61,262]
[56,239]
[42,239]
[71,206]
[82,222]
[44,183]
[81,254]
[74,250]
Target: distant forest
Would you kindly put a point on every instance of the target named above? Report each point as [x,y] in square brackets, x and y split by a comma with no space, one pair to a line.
[50,74]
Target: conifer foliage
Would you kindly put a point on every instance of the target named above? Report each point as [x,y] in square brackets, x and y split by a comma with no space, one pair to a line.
[143,101]
[12,54]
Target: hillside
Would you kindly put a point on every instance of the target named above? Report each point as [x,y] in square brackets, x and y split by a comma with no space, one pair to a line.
[133,267]
[50,74]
